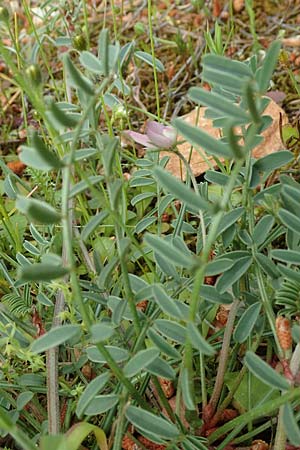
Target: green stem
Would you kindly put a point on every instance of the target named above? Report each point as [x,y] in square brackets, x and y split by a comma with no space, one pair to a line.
[153,58]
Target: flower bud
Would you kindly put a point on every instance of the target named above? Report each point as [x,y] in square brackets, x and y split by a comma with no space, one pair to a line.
[79,42]
[34,74]
[4,14]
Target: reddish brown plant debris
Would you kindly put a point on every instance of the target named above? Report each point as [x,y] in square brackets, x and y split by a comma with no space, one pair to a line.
[17,167]
[258,444]
[167,387]
[129,444]
[150,445]
[227,415]
[141,306]
[222,315]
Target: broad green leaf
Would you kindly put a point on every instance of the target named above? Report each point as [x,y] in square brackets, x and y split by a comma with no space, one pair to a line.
[100,404]
[288,256]
[268,66]
[267,265]
[92,224]
[77,80]
[151,423]
[219,104]
[103,47]
[161,368]
[68,120]
[230,218]
[211,294]
[92,389]
[101,332]
[118,354]
[23,399]
[218,266]
[262,229]
[180,190]
[228,81]
[54,337]
[198,341]
[273,161]
[226,66]
[42,272]
[296,333]
[169,251]
[187,389]
[232,275]
[139,361]
[166,303]
[163,345]
[147,58]
[85,184]
[140,197]
[91,62]
[265,372]
[171,330]
[291,426]
[200,138]
[37,210]
[292,274]
[246,323]
[144,224]
[289,220]
[45,161]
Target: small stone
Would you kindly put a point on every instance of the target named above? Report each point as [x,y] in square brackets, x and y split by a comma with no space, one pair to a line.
[238,5]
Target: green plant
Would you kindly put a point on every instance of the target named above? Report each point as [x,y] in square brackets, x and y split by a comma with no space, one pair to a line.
[104,239]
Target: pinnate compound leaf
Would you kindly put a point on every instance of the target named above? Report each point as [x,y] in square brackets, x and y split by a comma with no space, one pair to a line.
[171,330]
[232,275]
[161,368]
[139,361]
[42,272]
[268,66]
[169,251]
[91,62]
[166,303]
[101,403]
[187,389]
[273,161]
[151,423]
[117,353]
[288,256]
[77,79]
[291,427]
[103,46]
[180,190]
[219,103]
[55,337]
[101,332]
[264,372]
[37,210]
[92,389]
[92,224]
[143,56]
[289,220]
[247,322]
[198,341]
[200,138]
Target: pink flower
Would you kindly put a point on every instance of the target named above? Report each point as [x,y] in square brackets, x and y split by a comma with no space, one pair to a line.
[156,136]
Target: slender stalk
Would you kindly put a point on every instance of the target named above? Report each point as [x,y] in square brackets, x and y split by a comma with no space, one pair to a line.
[153,58]
[223,356]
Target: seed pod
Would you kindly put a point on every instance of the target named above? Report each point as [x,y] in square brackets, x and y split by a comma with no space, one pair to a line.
[284,332]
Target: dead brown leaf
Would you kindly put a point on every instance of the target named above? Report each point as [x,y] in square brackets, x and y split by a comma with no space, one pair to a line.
[271,143]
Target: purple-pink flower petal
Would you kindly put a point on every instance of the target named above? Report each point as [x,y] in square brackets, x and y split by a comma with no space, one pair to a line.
[154,127]
[139,138]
